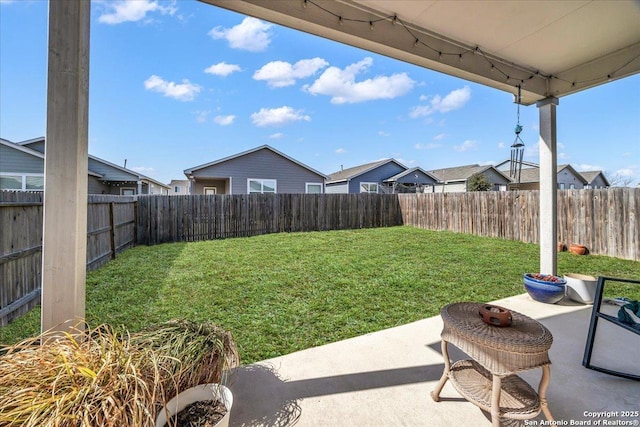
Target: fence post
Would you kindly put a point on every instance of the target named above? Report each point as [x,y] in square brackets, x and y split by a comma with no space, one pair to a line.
[112,232]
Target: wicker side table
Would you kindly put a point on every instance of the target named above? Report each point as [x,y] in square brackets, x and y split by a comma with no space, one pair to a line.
[489,380]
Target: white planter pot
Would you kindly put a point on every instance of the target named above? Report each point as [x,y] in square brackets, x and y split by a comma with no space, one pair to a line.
[581,288]
[195,394]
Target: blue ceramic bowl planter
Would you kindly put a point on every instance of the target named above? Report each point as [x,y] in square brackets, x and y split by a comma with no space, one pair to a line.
[544,290]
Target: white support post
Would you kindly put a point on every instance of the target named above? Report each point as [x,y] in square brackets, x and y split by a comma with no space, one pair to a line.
[140,187]
[64,251]
[548,186]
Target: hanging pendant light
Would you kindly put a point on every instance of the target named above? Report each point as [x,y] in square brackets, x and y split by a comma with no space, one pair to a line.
[517,148]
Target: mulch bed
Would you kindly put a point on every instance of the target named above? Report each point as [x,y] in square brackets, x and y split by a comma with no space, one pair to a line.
[205,413]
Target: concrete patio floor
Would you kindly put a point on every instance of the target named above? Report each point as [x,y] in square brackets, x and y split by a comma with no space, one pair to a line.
[384,378]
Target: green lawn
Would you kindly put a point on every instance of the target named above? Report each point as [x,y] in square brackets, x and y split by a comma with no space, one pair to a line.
[280,293]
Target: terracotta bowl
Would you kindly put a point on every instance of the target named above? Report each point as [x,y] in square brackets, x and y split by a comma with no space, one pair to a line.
[578,249]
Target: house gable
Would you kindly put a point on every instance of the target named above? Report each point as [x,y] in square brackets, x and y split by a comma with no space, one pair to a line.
[595,179]
[262,163]
[569,178]
[376,175]
[413,176]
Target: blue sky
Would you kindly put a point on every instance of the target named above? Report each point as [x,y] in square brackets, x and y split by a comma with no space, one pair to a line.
[175,84]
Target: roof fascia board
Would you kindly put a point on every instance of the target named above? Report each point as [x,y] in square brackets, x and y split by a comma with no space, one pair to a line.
[31,141]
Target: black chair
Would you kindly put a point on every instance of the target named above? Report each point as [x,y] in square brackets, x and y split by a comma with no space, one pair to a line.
[596,314]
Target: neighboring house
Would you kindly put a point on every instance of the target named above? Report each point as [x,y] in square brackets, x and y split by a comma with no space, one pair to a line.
[455,179]
[413,180]
[383,176]
[259,170]
[595,179]
[22,168]
[179,187]
[568,177]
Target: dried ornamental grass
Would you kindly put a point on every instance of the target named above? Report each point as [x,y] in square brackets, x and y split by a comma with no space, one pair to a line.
[189,353]
[100,380]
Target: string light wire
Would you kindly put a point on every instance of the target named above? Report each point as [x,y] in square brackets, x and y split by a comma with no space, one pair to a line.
[395,20]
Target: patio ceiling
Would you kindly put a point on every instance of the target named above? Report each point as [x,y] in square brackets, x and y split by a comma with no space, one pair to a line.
[550,48]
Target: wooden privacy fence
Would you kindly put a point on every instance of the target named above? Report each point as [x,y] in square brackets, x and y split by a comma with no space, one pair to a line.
[164,219]
[110,229]
[607,221]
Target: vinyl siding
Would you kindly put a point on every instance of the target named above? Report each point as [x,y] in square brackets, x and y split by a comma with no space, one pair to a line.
[411,179]
[261,164]
[458,187]
[598,182]
[567,178]
[220,185]
[19,162]
[495,178]
[341,188]
[111,173]
[97,187]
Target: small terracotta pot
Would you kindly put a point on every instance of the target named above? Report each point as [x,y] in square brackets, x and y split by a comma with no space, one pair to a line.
[562,247]
[578,249]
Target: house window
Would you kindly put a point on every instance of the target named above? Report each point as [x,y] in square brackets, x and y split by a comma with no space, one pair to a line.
[572,186]
[210,191]
[127,191]
[26,182]
[35,183]
[177,189]
[10,182]
[368,187]
[561,186]
[261,186]
[313,188]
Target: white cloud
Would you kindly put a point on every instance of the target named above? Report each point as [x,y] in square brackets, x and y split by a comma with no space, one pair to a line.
[383,133]
[625,172]
[222,69]
[343,88]
[282,74]
[276,135]
[466,146]
[224,120]
[430,146]
[185,91]
[502,145]
[202,116]
[277,116]
[405,161]
[251,34]
[143,170]
[587,167]
[454,100]
[341,151]
[439,137]
[121,11]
